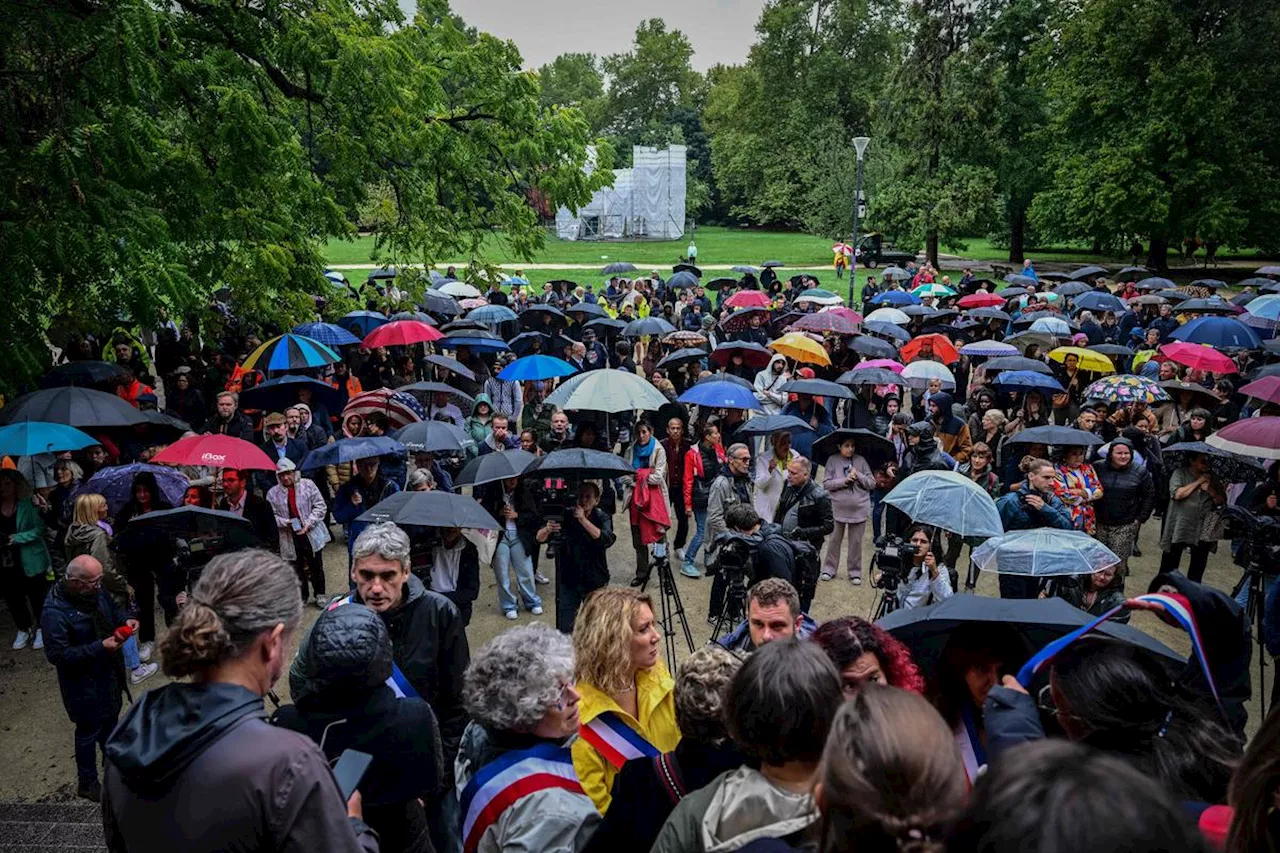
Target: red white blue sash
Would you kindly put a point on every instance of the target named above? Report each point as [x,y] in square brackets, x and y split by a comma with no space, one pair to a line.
[399,684]
[972,753]
[502,782]
[616,741]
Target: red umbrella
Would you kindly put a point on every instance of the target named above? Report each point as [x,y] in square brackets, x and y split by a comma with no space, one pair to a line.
[1199,357]
[1267,388]
[215,451]
[749,299]
[401,333]
[942,348]
[981,300]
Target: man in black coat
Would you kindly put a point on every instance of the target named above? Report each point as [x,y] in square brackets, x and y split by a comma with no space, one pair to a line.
[279,445]
[804,511]
[237,498]
[582,562]
[228,420]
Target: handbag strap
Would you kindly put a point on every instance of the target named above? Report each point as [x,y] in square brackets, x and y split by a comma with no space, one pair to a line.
[669,774]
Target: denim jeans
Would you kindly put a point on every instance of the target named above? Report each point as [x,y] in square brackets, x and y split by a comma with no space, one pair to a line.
[877,511]
[91,735]
[1242,597]
[511,557]
[691,550]
[130,652]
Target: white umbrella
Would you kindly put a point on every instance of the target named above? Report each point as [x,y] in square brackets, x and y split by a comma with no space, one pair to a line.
[918,374]
[948,500]
[606,391]
[895,273]
[888,315]
[1052,325]
[1043,552]
[459,290]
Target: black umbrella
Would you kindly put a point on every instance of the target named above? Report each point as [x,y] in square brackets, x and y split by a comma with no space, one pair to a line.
[569,285]
[613,269]
[876,449]
[534,316]
[465,325]
[1244,298]
[1125,272]
[887,330]
[689,268]
[1227,467]
[1058,436]
[207,531]
[464,401]
[753,354]
[770,264]
[724,377]
[1203,395]
[718,283]
[580,462]
[989,314]
[1154,282]
[605,325]
[420,316]
[581,310]
[682,356]
[433,437]
[871,376]
[873,347]
[648,326]
[682,280]
[1017,362]
[1174,296]
[77,407]
[745,269]
[450,364]
[1091,271]
[164,425]
[435,302]
[280,393]
[1208,283]
[1074,288]
[769,424]
[1110,349]
[816,388]
[492,467]
[1212,305]
[431,509]
[82,373]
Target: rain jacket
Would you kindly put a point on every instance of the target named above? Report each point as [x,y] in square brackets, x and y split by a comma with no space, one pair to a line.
[802,442]
[197,767]
[1016,514]
[726,491]
[90,678]
[1128,493]
[850,502]
[739,807]
[552,820]
[29,540]
[479,427]
[93,539]
[655,697]
[769,484]
[952,432]
[766,386]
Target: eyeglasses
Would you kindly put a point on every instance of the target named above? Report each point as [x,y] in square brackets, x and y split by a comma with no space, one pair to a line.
[1044,701]
[89,584]
[562,699]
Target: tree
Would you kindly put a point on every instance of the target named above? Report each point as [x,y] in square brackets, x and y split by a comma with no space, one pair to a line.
[648,83]
[574,80]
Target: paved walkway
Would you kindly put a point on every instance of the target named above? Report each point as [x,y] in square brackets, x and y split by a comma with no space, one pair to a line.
[72,827]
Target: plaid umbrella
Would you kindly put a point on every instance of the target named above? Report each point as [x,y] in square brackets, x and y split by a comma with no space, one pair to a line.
[1126,388]
[290,352]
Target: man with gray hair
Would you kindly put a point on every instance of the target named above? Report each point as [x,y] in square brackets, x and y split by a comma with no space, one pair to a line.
[428,646]
[731,487]
[804,511]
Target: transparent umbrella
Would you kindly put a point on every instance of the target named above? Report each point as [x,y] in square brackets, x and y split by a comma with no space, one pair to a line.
[948,500]
[1043,552]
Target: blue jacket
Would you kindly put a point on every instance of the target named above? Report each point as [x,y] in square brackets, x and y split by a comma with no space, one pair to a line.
[346,512]
[802,441]
[1016,514]
[89,676]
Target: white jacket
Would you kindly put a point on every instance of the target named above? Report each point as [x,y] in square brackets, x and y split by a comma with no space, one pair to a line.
[311,509]
[769,484]
[766,386]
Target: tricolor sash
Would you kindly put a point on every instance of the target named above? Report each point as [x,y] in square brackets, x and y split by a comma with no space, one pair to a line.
[616,741]
[972,753]
[399,684]
[515,775]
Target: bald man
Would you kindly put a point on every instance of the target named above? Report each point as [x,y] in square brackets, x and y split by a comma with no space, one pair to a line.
[78,621]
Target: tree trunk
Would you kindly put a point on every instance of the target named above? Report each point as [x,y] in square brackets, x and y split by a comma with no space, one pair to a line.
[1096,248]
[1158,254]
[1017,234]
[931,248]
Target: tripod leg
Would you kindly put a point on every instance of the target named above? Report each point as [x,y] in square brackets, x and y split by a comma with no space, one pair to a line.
[1255,615]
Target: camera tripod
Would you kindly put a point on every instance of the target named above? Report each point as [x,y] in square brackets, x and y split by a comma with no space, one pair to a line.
[672,607]
[732,608]
[1252,578]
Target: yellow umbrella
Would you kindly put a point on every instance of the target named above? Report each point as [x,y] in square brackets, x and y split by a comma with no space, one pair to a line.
[801,348]
[1094,362]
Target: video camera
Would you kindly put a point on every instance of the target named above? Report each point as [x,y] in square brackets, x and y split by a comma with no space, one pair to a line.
[893,558]
[735,554]
[1257,538]
[557,496]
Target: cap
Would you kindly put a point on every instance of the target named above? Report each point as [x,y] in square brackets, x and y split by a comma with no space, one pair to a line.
[285,464]
[274,419]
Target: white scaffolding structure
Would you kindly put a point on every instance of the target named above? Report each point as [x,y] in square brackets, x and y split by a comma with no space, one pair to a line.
[645,201]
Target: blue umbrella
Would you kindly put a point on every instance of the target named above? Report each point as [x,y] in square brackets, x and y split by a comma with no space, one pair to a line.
[1052,325]
[28,438]
[1026,380]
[116,484]
[682,279]
[769,424]
[1020,280]
[948,500]
[1043,552]
[361,323]
[1095,301]
[895,298]
[282,392]
[889,330]
[515,279]
[721,394]
[534,367]
[329,334]
[474,341]
[1219,333]
[351,449]
[492,314]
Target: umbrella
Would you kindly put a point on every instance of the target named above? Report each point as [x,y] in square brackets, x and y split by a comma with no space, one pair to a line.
[870,376]
[1073,288]
[464,400]
[452,365]
[1020,280]
[1268,270]
[683,279]
[212,531]
[1044,552]
[1199,357]
[887,330]
[165,427]
[875,448]
[582,310]
[772,264]
[1174,296]
[615,268]
[938,291]
[351,449]
[769,424]
[399,406]
[492,467]
[82,373]
[737,320]
[1033,624]
[1058,436]
[1267,307]
[682,356]
[1267,388]
[290,352]
[116,484]
[1017,362]
[818,296]
[873,347]
[816,388]
[459,290]
[610,391]
[1094,301]
[685,339]
[1053,326]
[400,333]
[420,316]
[721,283]
[1110,349]
[895,273]
[720,394]
[580,463]
[532,317]
[948,500]
[1125,272]
[362,322]
[749,299]
[492,314]
[1091,271]
[475,340]
[1089,360]
[329,334]
[1155,282]
[1218,332]
[434,437]
[655,326]
[795,345]
[1126,388]
[888,315]
[216,451]
[918,374]
[1258,437]
[1226,466]
[1256,281]
[981,300]
[745,269]
[1208,283]
[77,407]
[753,354]
[989,349]
[1212,305]
[280,393]
[431,509]
[887,363]
[535,367]
[689,268]
[1148,299]
[1203,395]
[895,298]
[1024,340]
[608,325]
[439,303]
[30,438]
[1025,380]
[515,280]
[939,345]
[825,322]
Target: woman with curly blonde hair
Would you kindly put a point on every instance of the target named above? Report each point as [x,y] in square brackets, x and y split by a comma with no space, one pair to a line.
[628,705]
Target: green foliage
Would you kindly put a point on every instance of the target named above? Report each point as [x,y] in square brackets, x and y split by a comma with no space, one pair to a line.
[575,80]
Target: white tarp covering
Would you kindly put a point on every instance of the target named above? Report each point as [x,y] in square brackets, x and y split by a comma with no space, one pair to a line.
[645,201]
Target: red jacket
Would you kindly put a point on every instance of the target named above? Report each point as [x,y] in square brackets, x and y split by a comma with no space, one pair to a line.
[693,468]
[648,510]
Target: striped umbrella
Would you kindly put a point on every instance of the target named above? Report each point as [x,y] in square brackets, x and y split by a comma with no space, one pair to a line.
[329,334]
[400,408]
[290,352]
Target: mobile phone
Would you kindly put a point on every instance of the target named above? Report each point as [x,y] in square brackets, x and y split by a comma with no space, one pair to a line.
[350,769]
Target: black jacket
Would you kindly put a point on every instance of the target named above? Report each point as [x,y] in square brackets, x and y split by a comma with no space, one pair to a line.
[805,513]
[238,427]
[775,556]
[89,677]
[923,457]
[295,449]
[1128,494]
[583,562]
[261,517]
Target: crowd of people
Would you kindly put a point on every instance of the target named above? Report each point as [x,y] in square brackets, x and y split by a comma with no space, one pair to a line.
[1068,402]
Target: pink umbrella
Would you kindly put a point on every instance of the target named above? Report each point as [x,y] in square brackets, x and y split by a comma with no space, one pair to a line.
[1199,357]
[834,323]
[1258,437]
[749,299]
[215,451]
[1267,388]
[887,363]
[842,311]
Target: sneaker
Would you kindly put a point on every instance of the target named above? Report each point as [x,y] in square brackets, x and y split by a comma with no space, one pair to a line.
[680,554]
[689,570]
[511,614]
[541,579]
[536,610]
[143,672]
[320,601]
[826,577]
[144,651]
[92,791]
[637,581]
[856,581]
[20,641]
[39,643]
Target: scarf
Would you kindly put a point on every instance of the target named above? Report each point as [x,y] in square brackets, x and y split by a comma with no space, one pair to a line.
[640,456]
[88,603]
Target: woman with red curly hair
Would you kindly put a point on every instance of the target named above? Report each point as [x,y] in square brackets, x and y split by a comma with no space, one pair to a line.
[865,652]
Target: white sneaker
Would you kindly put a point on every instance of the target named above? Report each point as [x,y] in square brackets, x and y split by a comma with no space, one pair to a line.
[320,601]
[143,672]
[512,615]
[20,641]
[680,554]
[39,643]
[144,651]
[536,611]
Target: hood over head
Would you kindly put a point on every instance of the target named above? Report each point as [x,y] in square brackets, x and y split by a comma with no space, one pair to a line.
[347,653]
[482,397]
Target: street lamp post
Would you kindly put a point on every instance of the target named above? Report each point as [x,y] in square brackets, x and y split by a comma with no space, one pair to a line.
[860,146]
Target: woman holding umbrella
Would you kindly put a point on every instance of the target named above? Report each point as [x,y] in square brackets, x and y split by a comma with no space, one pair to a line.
[1195,494]
[146,556]
[1078,486]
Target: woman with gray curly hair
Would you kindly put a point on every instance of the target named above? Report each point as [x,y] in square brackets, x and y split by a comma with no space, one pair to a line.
[646,791]
[516,783]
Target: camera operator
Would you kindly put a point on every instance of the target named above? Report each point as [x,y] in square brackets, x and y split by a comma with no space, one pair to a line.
[582,565]
[925,582]
[805,513]
[733,486]
[775,555]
